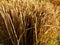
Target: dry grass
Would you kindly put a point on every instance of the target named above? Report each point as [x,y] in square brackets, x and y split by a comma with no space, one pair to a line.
[29,22]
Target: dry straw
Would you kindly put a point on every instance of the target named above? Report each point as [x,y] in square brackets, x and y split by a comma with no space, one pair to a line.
[29,22]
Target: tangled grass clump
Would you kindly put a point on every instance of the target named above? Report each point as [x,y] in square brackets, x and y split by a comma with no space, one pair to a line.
[29,22]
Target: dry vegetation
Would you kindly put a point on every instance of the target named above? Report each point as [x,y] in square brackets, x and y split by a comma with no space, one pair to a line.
[29,22]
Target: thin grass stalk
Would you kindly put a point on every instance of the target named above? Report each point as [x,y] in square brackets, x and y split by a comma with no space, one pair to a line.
[3,16]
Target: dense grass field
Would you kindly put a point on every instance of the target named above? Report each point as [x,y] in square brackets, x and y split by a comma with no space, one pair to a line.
[29,22]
